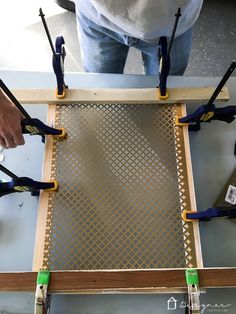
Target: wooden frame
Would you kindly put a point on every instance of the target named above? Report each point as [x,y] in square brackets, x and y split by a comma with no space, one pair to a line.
[43,201]
[44,224]
[123,281]
[191,190]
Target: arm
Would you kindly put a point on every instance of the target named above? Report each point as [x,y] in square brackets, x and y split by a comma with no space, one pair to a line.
[10,123]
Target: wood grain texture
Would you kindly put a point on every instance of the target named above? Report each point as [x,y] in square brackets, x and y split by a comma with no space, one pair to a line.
[128,281]
[132,96]
[44,197]
[193,204]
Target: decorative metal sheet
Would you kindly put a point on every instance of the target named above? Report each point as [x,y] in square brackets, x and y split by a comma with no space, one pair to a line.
[123,184]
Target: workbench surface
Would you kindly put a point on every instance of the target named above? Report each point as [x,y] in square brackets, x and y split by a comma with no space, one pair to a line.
[213,159]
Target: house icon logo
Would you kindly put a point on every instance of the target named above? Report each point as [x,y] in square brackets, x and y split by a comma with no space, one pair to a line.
[171,304]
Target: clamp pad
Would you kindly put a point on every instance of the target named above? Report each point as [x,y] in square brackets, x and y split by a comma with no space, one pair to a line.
[62,95]
[61,136]
[163,97]
[53,189]
[184,215]
[180,123]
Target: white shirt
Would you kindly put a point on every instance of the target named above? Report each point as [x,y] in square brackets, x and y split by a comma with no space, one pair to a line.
[143,19]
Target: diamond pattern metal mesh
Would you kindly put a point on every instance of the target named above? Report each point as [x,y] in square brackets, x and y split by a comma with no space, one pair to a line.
[123,184]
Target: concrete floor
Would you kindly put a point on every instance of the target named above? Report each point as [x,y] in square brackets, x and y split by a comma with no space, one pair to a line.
[214,42]
[25,46]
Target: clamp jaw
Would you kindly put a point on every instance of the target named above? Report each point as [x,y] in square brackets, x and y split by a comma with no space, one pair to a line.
[206,113]
[58,57]
[192,281]
[164,59]
[164,67]
[42,299]
[58,66]
[33,126]
[37,127]
[227,212]
[25,184]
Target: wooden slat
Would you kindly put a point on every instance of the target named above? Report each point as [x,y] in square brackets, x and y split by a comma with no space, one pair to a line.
[117,281]
[193,204]
[137,96]
[44,195]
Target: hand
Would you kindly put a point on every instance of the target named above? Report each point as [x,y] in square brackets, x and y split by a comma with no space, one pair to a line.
[10,123]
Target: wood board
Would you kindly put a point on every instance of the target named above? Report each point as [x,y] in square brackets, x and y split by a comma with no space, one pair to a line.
[131,96]
[143,281]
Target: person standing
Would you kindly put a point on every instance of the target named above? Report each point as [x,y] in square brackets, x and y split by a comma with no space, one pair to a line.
[108,28]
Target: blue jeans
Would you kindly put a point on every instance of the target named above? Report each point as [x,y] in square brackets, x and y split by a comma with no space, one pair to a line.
[105,51]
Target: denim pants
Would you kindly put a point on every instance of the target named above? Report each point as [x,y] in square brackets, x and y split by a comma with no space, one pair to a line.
[105,51]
